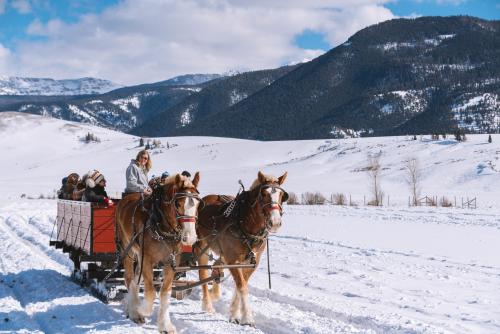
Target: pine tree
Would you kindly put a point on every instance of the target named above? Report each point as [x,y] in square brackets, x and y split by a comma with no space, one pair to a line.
[141,142]
[489,139]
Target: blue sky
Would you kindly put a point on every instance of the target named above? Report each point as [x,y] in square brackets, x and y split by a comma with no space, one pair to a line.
[135,41]
[486,9]
[17,16]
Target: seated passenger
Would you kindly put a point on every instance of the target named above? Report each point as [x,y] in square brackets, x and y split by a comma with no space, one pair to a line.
[94,191]
[68,186]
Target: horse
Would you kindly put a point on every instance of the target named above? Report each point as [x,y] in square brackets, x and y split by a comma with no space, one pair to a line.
[236,229]
[155,232]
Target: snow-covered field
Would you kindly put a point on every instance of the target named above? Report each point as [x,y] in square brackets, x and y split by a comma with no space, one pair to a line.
[334,269]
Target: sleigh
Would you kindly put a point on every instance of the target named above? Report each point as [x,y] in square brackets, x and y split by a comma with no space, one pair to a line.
[87,233]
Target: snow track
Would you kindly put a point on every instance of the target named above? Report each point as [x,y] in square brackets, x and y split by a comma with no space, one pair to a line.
[349,285]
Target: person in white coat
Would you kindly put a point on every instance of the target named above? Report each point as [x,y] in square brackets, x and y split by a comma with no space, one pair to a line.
[137,174]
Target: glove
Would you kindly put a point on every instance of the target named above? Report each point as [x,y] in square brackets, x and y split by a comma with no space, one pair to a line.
[108,201]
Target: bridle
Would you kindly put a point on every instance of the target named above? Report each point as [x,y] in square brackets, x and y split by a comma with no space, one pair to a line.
[158,197]
[271,205]
[182,218]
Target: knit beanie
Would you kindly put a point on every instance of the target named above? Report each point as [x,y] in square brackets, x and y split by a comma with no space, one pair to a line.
[93,178]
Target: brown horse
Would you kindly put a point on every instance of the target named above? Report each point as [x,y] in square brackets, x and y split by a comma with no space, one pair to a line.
[165,221]
[237,231]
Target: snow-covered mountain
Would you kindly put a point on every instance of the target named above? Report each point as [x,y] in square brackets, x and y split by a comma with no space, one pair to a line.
[190,79]
[335,269]
[47,86]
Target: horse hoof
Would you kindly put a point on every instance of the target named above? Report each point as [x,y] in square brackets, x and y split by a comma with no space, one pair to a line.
[138,320]
[209,309]
[250,324]
[234,321]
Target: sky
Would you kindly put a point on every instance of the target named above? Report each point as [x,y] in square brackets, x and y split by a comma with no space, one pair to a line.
[132,42]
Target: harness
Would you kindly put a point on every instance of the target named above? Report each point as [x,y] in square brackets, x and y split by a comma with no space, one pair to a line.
[154,224]
[236,212]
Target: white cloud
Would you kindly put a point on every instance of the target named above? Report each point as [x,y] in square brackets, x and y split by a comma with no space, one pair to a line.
[4,59]
[2,6]
[151,40]
[22,6]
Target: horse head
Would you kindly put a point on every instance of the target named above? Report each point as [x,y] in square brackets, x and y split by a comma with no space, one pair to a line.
[270,196]
[180,200]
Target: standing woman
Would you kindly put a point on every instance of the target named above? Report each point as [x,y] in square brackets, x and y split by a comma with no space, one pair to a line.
[137,174]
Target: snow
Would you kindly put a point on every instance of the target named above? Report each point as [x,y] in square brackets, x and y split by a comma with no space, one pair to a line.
[47,86]
[236,97]
[472,120]
[186,117]
[409,101]
[395,45]
[125,103]
[82,114]
[335,269]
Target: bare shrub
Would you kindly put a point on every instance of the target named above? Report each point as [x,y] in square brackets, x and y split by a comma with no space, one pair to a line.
[445,202]
[339,199]
[374,169]
[309,198]
[292,199]
[413,177]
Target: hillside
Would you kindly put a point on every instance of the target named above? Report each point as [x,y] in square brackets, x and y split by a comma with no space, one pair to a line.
[404,76]
[448,168]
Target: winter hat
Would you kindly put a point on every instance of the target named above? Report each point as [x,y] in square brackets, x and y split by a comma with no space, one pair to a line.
[93,178]
[164,175]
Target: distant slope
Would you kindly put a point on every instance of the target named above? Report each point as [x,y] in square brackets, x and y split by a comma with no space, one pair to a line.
[47,86]
[212,101]
[121,109]
[448,168]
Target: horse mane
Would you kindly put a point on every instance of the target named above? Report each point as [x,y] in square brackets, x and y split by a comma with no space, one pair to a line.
[268,179]
[185,181]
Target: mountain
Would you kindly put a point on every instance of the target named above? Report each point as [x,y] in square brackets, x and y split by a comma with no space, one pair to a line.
[189,79]
[213,99]
[47,86]
[403,76]
[122,109]
[430,74]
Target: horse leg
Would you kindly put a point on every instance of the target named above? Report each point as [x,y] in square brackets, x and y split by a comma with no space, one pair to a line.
[234,310]
[132,291]
[206,304]
[247,314]
[146,308]
[215,291]
[165,325]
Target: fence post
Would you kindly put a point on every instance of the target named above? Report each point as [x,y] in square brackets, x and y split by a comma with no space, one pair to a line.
[350,202]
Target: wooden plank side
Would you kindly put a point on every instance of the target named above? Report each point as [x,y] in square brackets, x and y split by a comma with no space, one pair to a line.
[103,230]
[85,234]
[105,247]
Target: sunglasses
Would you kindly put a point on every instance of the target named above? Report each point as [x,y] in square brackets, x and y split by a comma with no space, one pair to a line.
[144,157]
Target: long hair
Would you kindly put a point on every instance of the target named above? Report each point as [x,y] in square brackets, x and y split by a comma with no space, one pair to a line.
[149,164]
